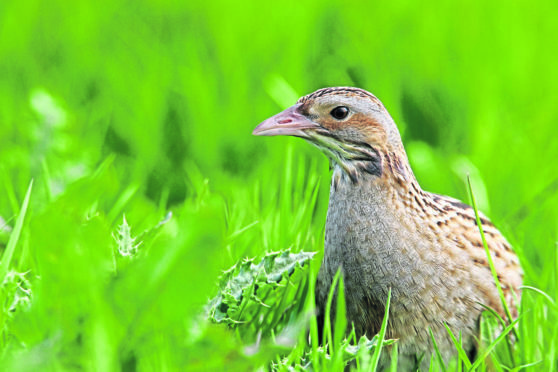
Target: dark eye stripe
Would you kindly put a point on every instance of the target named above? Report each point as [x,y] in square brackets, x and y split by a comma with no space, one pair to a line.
[340,112]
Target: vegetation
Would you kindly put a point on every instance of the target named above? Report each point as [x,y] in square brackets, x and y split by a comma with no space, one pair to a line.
[130,182]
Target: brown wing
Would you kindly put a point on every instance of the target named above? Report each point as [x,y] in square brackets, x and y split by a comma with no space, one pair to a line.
[458,216]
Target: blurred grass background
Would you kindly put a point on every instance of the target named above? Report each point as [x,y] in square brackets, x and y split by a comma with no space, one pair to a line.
[141,108]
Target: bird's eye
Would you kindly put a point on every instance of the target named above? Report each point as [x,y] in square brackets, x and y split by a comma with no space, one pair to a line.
[340,112]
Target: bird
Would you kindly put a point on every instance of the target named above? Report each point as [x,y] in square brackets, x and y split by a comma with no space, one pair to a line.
[387,235]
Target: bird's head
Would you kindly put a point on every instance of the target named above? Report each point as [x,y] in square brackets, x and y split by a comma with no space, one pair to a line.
[350,125]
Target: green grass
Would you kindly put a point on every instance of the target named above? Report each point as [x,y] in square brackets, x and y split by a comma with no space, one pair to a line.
[118,110]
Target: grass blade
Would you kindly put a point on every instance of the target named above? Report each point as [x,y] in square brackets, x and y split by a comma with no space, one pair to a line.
[393,367]
[327,336]
[14,237]
[462,354]
[340,327]
[493,344]
[545,295]
[382,335]
[46,180]
[311,308]
[123,199]
[503,324]
[437,351]
[489,256]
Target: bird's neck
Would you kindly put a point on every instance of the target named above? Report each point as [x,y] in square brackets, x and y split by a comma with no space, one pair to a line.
[388,170]
[375,216]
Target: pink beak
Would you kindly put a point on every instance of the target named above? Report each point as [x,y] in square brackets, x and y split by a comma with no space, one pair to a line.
[286,123]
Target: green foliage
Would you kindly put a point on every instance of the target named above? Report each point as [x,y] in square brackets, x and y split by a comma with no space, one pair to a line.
[381,335]
[144,110]
[262,296]
[127,245]
[348,354]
